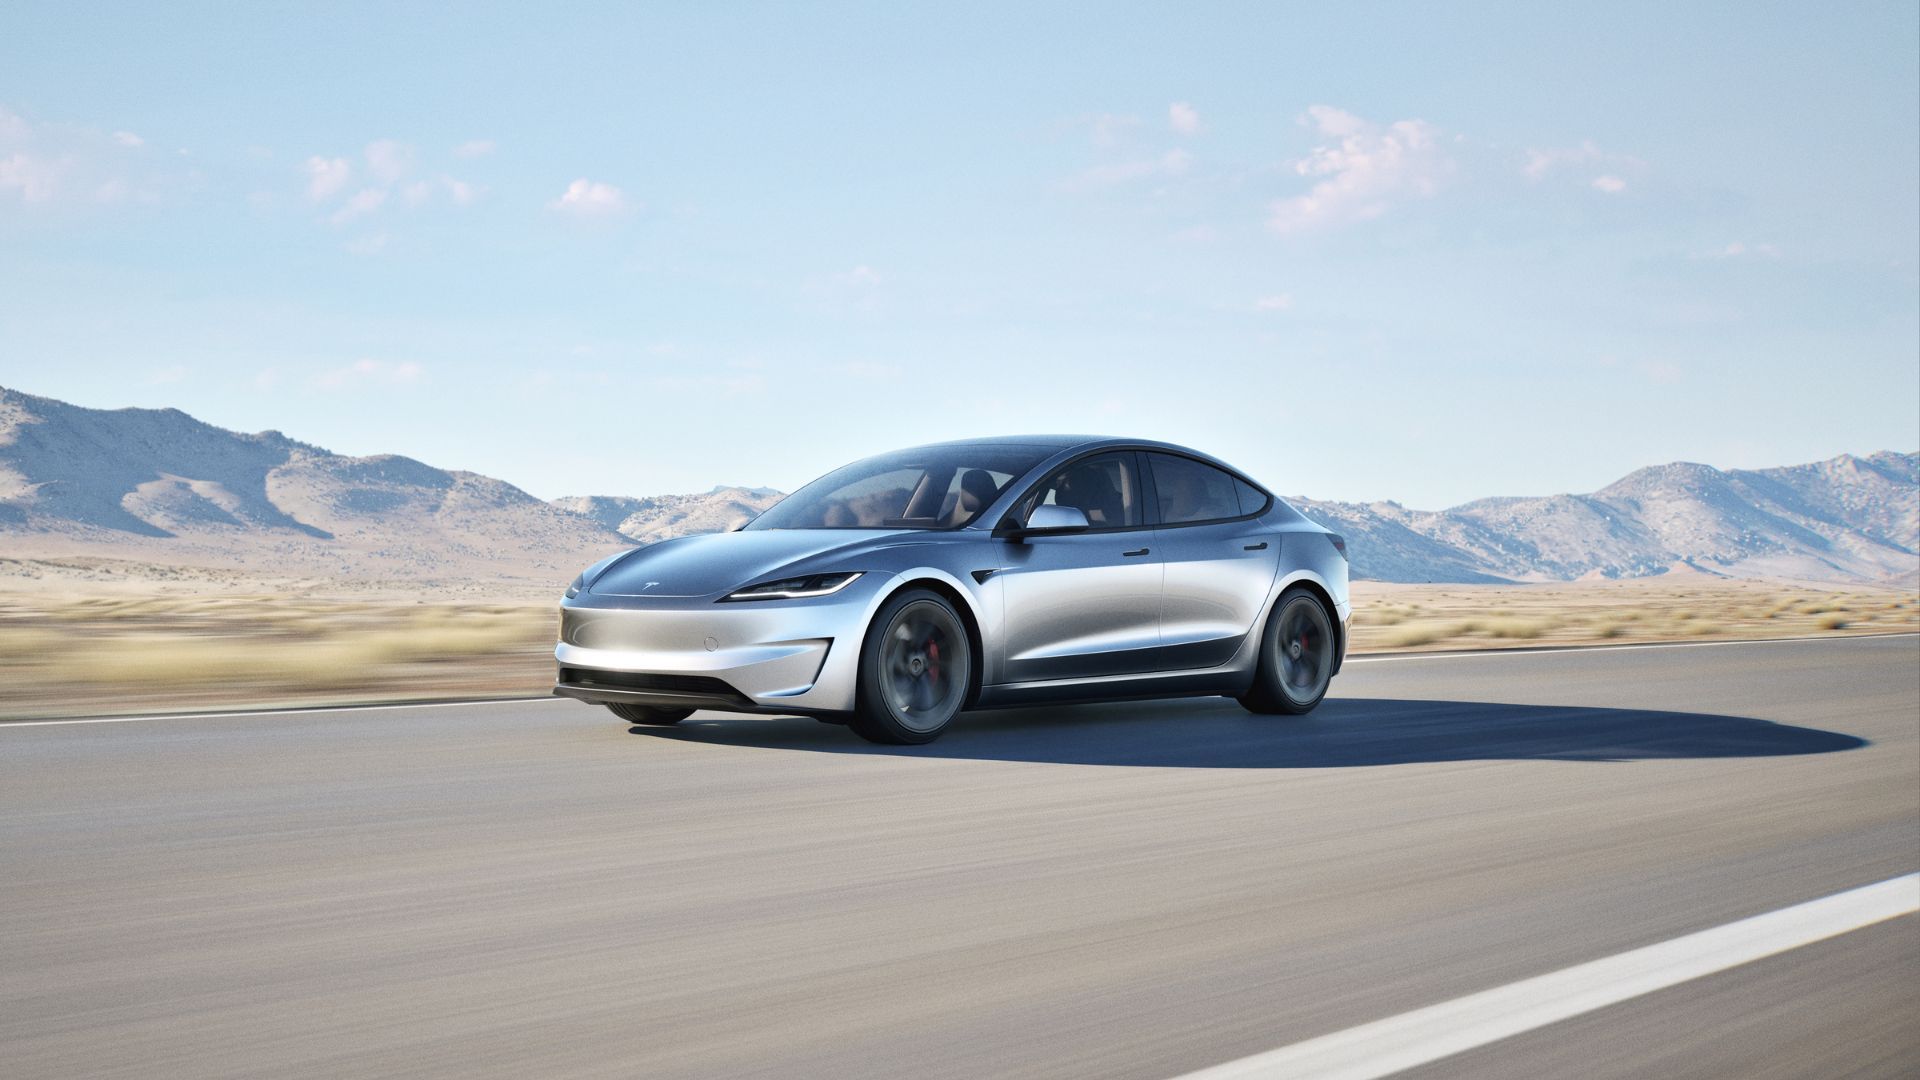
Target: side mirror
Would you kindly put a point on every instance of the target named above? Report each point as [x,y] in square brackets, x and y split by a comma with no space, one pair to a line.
[1048,519]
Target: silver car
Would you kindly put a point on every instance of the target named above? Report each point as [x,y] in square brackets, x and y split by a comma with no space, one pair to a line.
[895,592]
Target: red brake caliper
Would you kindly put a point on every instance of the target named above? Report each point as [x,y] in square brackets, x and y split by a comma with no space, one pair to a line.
[933,660]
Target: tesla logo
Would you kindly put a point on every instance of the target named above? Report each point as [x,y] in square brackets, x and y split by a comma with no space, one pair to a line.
[648,585]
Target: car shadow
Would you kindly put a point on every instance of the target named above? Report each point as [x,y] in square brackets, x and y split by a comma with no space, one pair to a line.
[1206,733]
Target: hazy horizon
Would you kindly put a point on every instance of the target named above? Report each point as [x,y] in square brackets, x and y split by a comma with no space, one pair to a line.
[751,484]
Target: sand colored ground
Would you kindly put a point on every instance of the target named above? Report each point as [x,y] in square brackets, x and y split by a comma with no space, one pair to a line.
[100,638]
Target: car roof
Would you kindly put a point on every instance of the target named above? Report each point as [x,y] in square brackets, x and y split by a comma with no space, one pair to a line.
[1054,442]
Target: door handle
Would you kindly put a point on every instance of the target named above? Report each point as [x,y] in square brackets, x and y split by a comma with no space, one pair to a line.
[1131,554]
[1261,546]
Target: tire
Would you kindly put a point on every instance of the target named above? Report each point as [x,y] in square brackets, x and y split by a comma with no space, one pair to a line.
[1297,650]
[916,667]
[649,714]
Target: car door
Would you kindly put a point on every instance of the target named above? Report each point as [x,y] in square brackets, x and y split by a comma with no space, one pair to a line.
[1219,560]
[1084,604]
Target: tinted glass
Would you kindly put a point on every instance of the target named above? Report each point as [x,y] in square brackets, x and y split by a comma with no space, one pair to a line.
[939,487]
[1252,499]
[1190,491]
[1105,487]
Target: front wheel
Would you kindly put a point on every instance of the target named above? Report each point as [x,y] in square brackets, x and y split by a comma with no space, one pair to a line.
[1296,657]
[916,666]
[648,714]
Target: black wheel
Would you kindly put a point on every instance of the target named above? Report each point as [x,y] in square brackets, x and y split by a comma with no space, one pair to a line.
[1296,657]
[649,714]
[915,669]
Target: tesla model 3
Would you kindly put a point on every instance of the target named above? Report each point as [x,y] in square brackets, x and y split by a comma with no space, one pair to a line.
[894,593]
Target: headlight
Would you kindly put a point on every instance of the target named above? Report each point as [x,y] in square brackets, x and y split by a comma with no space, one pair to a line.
[794,588]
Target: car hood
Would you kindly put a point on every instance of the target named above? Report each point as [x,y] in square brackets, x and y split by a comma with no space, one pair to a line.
[722,562]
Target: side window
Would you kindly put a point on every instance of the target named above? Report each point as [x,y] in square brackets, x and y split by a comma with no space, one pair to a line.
[1252,499]
[1190,491]
[1105,487]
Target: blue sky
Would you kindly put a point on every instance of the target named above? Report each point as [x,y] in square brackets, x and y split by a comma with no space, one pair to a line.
[1420,252]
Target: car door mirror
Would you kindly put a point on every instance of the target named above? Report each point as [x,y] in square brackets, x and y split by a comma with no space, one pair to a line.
[1048,519]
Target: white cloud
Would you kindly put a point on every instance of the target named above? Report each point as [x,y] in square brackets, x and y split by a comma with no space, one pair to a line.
[1364,172]
[1111,129]
[364,202]
[461,192]
[1602,170]
[421,192]
[388,181]
[370,372]
[1183,118]
[389,161]
[13,126]
[1172,163]
[474,148]
[47,162]
[1274,302]
[590,198]
[1541,162]
[33,177]
[327,177]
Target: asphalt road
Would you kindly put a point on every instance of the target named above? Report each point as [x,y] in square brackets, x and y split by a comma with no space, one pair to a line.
[530,889]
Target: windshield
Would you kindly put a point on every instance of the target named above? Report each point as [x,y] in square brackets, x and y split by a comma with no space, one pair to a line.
[935,487]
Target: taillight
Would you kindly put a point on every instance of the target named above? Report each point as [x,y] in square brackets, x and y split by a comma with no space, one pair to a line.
[1339,543]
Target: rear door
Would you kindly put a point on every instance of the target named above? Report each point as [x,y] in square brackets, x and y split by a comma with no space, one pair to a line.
[1219,561]
[1086,604]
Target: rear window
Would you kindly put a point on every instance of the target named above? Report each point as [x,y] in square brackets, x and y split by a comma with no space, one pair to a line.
[1191,491]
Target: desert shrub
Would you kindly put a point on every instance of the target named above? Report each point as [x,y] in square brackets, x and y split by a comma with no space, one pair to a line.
[1410,634]
[1512,627]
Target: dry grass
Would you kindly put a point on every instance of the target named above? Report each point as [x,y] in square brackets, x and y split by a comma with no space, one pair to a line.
[1412,617]
[81,648]
[105,654]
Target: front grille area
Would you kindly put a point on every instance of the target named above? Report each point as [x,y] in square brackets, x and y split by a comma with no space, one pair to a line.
[673,684]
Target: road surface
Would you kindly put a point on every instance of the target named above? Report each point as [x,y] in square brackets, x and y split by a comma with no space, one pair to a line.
[1139,890]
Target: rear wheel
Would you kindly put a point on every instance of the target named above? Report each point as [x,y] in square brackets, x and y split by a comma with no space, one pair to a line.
[1296,657]
[649,714]
[915,668]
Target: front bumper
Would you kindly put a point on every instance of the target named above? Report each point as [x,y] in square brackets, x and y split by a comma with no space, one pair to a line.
[769,656]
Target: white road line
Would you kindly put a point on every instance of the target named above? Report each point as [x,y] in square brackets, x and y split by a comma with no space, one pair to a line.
[316,711]
[1550,650]
[1437,1031]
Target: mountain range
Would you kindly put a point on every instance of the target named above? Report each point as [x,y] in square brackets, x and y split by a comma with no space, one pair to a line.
[158,486]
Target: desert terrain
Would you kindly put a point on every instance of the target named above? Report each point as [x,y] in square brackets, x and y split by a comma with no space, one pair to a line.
[147,556]
[80,636]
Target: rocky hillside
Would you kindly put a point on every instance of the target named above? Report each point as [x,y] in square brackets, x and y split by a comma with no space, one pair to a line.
[660,516]
[1849,518]
[158,486]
